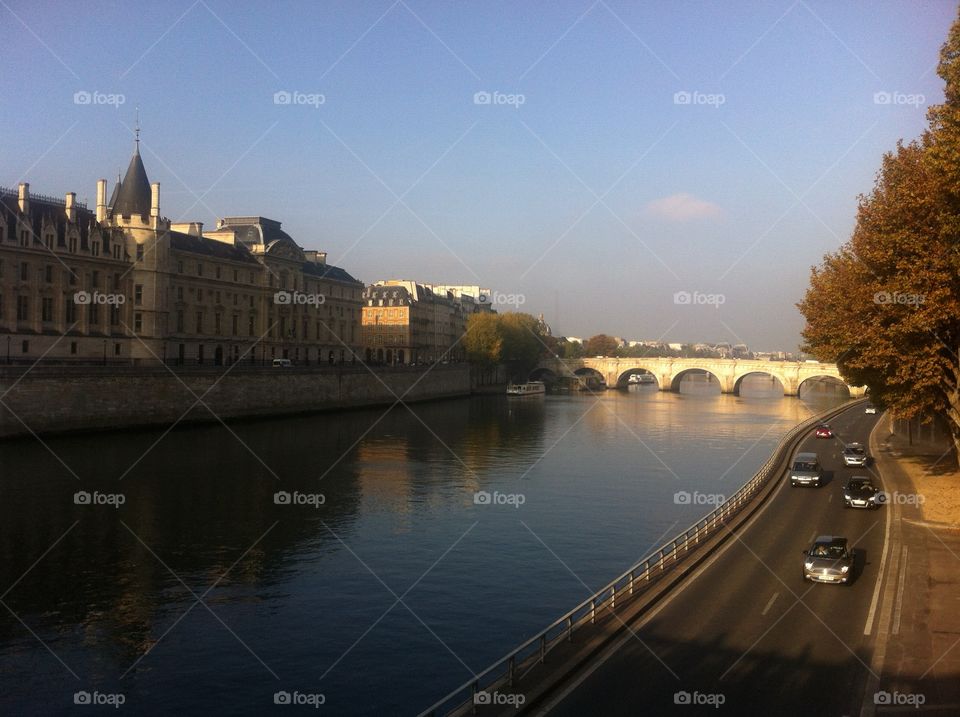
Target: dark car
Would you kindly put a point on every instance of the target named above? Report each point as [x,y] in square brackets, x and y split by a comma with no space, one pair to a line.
[823,431]
[859,492]
[828,560]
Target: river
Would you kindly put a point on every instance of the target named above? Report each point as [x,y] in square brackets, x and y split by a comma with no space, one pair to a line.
[373,557]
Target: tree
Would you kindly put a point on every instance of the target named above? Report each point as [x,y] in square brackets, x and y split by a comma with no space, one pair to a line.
[600,345]
[886,306]
[522,342]
[483,340]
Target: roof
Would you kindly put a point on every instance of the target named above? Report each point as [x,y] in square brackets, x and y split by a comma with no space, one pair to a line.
[52,211]
[134,194]
[210,247]
[327,271]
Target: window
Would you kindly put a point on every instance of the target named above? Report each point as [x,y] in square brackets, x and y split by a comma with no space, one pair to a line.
[114,315]
[24,239]
[236,324]
[116,251]
[251,301]
[217,272]
[179,293]
[94,247]
[138,322]
[199,269]
[1,268]
[73,348]
[138,295]
[72,245]
[24,270]
[216,298]
[180,322]
[73,277]
[236,299]
[250,327]
[216,323]
[48,273]
[116,281]
[116,349]
[95,280]
[25,347]
[70,310]
[23,308]
[179,267]
[199,294]
[236,274]
[46,310]
[200,353]
[199,322]
[139,252]
[93,314]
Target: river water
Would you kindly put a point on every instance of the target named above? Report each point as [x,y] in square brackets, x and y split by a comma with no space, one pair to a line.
[376,558]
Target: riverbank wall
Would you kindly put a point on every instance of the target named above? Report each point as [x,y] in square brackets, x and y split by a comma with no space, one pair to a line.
[55,399]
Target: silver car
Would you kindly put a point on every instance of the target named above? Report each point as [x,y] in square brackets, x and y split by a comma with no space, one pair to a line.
[828,560]
[805,470]
[854,455]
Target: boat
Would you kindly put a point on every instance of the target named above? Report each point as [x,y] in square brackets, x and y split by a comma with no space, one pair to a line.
[530,388]
[646,378]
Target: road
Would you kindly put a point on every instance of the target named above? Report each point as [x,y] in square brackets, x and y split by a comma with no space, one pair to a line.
[748,633]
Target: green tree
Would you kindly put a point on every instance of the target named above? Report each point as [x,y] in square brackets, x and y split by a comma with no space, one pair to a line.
[483,340]
[886,306]
[522,342]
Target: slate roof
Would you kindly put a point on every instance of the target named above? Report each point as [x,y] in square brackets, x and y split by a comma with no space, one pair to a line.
[134,195]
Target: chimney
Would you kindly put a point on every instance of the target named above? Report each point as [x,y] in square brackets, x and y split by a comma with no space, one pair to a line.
[24,196]
[101,199]
[155,199]
[69,205]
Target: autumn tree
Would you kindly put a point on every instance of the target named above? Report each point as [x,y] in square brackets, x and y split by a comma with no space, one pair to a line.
[886,305]
[600,345]
[483,340]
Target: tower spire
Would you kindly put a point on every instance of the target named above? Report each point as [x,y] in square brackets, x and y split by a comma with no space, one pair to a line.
[137,132]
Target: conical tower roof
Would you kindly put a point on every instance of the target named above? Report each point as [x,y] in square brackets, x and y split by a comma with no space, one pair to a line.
[134,194]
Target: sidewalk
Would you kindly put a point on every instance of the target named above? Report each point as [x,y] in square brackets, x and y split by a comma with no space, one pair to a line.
[917,650]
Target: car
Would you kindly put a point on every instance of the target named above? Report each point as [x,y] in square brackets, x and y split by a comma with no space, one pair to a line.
[854,455]
[805,470]
[828,560]
[869,408]
[859,492]
[823,431]
[282,363]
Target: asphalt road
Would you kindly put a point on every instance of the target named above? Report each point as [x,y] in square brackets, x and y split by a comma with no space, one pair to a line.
[748,634]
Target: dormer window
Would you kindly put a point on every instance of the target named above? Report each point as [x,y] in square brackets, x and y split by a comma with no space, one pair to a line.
[49,241]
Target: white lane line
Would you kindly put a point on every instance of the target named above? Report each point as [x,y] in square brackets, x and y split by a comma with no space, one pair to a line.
[886,542]
[899,601]
[830,498]
[812,538]
[770,604]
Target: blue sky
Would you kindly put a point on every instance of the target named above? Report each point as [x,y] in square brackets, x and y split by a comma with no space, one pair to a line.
[587,185]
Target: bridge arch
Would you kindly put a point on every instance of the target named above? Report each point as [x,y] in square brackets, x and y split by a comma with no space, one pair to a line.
[623,380]
[542,373]
[811,381]
[738,381]
[678,377]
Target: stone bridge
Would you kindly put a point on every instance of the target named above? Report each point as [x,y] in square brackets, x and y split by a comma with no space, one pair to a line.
[670,371]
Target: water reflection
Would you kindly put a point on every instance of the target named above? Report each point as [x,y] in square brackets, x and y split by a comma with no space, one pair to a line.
[294,590]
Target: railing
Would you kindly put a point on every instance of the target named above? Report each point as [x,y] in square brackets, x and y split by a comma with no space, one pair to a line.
[634,581]
[60,201]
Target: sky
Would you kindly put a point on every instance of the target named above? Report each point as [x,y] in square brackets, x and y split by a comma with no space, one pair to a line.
[655,170]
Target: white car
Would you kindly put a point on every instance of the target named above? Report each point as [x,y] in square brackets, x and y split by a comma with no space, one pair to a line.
[870,409]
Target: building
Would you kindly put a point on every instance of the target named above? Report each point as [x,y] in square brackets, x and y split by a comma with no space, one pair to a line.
[129,284]
[405,322]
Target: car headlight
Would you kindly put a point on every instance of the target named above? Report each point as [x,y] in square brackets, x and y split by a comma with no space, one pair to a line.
[845,569]
[846,496]
[808,565]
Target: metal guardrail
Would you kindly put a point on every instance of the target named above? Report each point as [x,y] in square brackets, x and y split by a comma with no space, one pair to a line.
[630,583]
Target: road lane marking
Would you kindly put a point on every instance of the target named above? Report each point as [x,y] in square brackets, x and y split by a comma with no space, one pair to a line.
[899,601]
[830,498]
[883,558]
[770,604]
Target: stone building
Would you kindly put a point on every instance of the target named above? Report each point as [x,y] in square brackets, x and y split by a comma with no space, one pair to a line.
[405,322]
[163,291]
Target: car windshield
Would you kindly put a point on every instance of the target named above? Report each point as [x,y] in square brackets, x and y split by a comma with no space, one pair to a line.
[804,466]
[828,551]
[861,485]
[854,450]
